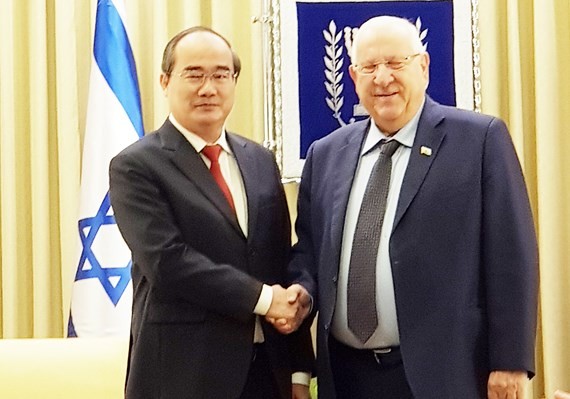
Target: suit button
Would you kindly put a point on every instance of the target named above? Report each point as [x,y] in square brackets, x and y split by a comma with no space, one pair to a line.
[327,326]
[334,279]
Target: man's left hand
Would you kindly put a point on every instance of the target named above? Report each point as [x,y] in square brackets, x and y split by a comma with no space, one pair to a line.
[301,391]
[507,385]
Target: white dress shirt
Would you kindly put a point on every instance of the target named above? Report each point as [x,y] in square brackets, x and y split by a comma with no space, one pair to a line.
[386,333]
[228,166]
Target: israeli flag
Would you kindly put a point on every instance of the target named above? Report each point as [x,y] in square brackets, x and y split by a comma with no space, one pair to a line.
[102,292]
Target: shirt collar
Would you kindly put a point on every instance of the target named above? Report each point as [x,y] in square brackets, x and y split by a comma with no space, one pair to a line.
[405,135]
[198,142]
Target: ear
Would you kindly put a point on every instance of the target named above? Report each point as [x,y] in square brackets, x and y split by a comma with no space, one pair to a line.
[352,73]
[424,63]
[164,80]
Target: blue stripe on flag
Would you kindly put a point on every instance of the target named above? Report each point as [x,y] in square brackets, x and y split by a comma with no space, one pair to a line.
[114,56]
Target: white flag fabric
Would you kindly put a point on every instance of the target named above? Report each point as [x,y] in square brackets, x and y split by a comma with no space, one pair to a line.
[102,291]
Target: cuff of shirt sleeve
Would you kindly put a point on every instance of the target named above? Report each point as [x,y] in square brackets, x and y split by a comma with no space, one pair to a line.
[301,378]
[264,301]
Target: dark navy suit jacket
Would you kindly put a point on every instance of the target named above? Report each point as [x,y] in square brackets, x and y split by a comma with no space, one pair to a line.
[196,277]
[463,251]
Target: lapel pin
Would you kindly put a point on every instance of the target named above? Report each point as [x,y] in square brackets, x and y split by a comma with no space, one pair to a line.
[425,151]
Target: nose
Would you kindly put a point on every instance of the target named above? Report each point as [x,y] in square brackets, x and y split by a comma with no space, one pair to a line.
[383,75]
[207,87]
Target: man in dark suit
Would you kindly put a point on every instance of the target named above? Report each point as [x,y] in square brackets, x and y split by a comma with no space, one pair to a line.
[454,277]
[205,216]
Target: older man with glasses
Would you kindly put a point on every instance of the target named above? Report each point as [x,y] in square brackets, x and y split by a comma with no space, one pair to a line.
[416,240]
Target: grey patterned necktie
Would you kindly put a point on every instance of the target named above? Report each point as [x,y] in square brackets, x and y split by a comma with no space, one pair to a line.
[361,295]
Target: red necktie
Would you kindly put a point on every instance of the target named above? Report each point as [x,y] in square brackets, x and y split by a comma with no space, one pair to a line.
[212,152]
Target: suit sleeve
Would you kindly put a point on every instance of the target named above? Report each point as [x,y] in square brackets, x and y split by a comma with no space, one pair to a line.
[303,267]
[510,255]
[177,271]
[301,347]
[300,342]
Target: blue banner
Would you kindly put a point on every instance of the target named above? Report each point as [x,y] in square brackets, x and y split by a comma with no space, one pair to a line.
[327,99]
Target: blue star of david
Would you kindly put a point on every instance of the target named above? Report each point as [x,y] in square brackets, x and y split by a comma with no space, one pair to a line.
[92,226]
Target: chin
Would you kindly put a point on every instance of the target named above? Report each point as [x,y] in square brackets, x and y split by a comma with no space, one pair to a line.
[388,115]
[209,117]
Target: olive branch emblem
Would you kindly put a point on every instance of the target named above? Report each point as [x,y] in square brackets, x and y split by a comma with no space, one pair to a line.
[333,64]
[423,34]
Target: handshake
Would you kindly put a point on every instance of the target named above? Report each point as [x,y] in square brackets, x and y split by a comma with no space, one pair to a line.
[289,308]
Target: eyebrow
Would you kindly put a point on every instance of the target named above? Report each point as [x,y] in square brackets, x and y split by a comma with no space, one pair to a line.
[389,58]
[200,68]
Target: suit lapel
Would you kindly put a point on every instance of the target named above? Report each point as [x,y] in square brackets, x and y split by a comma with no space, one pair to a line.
[348,155]
[430,136]
[185,157]
[249,174]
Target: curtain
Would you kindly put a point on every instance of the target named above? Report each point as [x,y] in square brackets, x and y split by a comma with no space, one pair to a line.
[45,55]
[524,57]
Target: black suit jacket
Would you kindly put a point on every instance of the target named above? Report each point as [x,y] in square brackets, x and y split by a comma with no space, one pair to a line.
[463,251]
[196,277]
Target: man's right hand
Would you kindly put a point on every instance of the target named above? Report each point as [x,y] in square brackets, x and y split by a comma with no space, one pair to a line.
[281,306]
[299,300]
